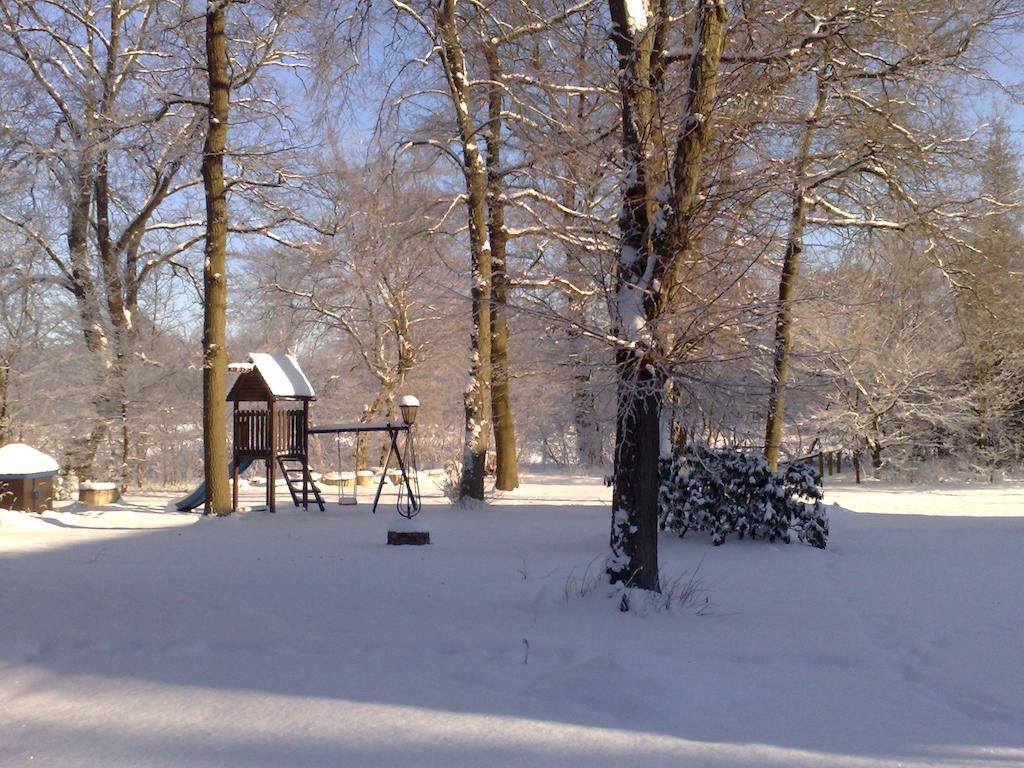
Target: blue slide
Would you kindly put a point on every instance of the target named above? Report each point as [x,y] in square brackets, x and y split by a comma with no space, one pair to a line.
[198,496]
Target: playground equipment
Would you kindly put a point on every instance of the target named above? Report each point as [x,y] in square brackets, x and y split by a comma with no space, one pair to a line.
[408,507]
[274,429]
[408,488]
[275,432]
[198,496]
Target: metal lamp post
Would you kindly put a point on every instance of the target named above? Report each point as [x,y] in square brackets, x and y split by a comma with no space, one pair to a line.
[404,530]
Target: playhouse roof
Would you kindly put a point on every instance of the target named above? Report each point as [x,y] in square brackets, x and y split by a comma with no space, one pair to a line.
[279,372]
[18,460]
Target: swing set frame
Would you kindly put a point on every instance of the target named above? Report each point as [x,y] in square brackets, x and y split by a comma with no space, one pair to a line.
[393,430]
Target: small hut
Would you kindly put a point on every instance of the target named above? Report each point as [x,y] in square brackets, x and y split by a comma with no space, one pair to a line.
[274,425]
[26,478]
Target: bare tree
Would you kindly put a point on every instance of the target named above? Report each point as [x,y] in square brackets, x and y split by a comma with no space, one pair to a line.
[660,196]
[370,285]
[114,141]
[868,150]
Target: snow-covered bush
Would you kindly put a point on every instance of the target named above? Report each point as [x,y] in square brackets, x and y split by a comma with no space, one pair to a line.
[726,491]
[450,480]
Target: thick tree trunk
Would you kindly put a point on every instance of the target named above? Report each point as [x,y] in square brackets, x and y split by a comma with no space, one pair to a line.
[634,537]
[477,397]
[119,313]
[82,453]
[507,467]
[787,285]
[634,533]
[649,259]
[215,362]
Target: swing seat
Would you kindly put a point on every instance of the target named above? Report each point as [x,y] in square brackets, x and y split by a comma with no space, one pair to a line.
[345,482]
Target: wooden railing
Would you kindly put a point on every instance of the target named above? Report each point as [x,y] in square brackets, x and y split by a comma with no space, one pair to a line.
[290,433]
[252,433]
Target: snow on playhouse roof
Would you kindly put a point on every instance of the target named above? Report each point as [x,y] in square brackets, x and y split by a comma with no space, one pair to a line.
[18,460]
[280,372]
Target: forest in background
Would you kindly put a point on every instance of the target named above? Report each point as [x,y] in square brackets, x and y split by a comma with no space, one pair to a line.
[726,207]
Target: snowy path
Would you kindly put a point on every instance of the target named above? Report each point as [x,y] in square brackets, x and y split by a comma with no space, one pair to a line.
[141,638]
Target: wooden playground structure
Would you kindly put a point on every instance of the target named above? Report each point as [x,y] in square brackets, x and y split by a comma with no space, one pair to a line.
[274,428]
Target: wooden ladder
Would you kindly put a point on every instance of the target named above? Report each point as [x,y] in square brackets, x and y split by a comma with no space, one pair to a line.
[300,483]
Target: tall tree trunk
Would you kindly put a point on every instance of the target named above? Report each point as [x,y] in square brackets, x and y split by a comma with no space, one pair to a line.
[634,532]
[477,397]
[787,283]
[507,467]
[215,361]
[83,448]
[649,259]
[119,313]
[634,536]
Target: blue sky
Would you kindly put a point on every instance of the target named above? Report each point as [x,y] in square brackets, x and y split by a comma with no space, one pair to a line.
[1011,73]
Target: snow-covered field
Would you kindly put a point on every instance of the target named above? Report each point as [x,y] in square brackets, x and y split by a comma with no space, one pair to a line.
[137,637]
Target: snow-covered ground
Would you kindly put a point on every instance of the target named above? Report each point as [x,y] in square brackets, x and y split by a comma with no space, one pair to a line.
[139,637]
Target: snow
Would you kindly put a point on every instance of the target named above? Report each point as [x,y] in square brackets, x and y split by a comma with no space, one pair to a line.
[131,636]
[93,486]
[632,314]
[408,400]
[403,524]
[637,16]
[18,459]
[282,374]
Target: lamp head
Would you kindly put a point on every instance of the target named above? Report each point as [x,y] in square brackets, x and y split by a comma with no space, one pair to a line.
[408,405]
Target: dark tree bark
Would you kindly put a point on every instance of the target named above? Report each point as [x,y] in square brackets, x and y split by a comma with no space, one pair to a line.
[634,533]
[649,259]
[215,361]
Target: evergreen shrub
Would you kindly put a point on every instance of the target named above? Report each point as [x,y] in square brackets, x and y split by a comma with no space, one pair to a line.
[726,491]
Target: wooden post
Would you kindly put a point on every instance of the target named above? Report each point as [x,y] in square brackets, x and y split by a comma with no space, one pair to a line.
[304,439]
[234,457]
[271,456]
